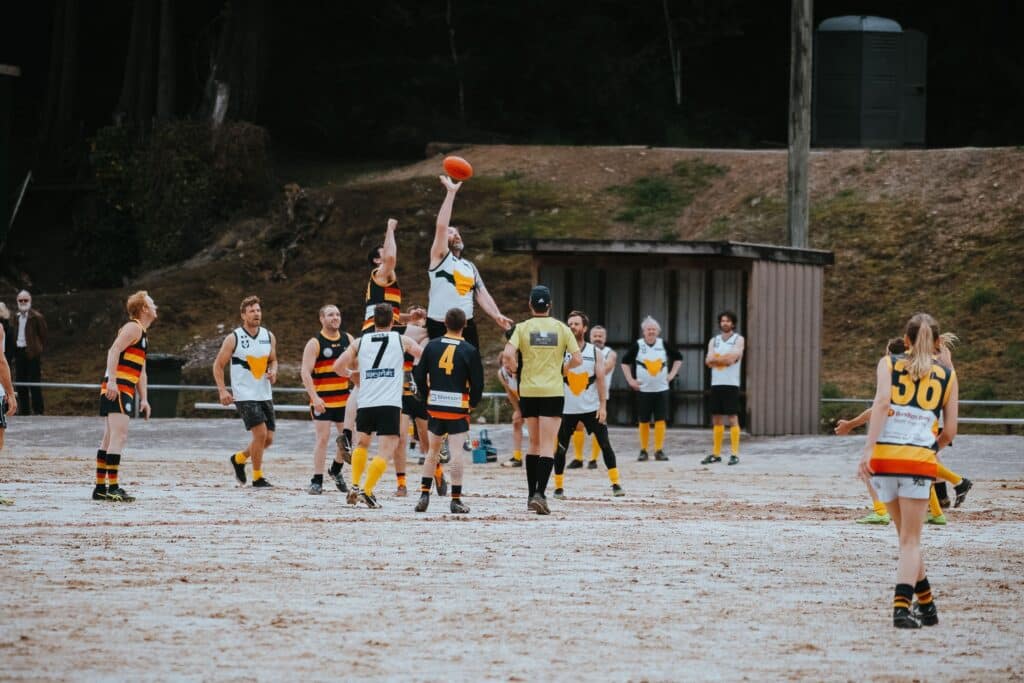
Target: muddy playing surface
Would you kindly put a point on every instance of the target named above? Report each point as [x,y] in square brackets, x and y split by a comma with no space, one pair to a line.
[755,572]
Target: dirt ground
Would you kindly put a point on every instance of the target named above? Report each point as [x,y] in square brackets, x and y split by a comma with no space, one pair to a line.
[754,572]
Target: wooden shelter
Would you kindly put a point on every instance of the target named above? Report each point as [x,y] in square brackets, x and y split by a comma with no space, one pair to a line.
[775,291]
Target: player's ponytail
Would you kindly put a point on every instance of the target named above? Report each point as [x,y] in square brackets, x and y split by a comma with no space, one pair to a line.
[923,333]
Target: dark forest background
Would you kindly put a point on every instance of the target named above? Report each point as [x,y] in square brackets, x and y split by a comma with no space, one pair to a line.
[380,79]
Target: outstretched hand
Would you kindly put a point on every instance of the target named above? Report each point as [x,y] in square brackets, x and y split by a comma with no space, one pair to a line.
[450,184]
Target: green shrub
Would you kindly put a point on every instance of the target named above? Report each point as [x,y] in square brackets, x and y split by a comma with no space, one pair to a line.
[163,192]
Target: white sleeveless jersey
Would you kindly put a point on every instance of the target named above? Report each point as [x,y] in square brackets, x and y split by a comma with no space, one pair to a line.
[581,384]
[249,366]
[381,361]
[729,376]
[652,366]
[451,286]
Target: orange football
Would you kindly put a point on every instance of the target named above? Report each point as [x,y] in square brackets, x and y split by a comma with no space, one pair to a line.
[458,168]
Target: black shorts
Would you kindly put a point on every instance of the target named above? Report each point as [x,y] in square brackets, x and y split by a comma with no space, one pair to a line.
[652,405]
[3,413]
[379,420]
[414,408]
[256,413]
[588,420]
[329,415]
[544,406]
[123,405]
[725,400]
[441,426]
[437,328]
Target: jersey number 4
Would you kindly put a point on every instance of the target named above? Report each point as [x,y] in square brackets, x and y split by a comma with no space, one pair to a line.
[446,361]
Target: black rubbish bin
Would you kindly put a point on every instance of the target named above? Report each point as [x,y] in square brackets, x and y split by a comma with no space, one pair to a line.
[163,368]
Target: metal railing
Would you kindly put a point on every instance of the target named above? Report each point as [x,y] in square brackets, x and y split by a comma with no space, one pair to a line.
[204,405]
[964,402]
[491,395]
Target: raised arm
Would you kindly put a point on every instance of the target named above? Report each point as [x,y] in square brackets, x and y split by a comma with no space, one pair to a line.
[385,272]
[440,246]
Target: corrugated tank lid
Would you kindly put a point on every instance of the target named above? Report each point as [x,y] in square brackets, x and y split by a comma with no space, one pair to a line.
[860,23]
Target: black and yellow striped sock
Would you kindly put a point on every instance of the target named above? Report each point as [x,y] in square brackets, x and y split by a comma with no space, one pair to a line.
[113,465]
[425,483]
[923,591]
[903,596]
[101,469]
[400,476]
[456,491]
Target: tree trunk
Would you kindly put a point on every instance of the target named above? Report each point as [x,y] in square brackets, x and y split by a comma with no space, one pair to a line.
[126,101]
[167,76]
[799,121]
[675,55]
[455,61]
[58,108]
[240,61]
[146,85]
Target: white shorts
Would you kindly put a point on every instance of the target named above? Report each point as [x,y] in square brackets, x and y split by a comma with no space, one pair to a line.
[891,488]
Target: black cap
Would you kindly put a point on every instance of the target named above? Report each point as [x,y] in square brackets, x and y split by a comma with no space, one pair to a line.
[540,298]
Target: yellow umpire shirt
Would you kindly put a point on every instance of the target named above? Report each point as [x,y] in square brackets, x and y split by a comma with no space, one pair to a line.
[543,343]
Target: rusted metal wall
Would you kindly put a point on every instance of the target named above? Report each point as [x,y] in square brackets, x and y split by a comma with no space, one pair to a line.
[783,356]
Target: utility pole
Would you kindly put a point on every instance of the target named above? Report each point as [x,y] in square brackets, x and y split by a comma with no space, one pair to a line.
[801,15]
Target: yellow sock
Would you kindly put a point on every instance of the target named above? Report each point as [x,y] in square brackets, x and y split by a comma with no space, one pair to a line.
[933,503]
[257,474]
[438,472]
[577,444]
[358,465]
[240,458]
[613,475]
[948,474]
[717,432]
[401,479]
[559,481]
[645,436]
[734,439]
[517,455]
[374,473]
[659,435]
[880,508]
[595,448]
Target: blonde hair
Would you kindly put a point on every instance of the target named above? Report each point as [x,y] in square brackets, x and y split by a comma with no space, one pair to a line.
[925,340]
[136,303]
[5,312]
[248,301]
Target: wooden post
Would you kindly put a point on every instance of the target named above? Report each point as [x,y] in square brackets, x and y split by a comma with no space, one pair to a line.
[799,120]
